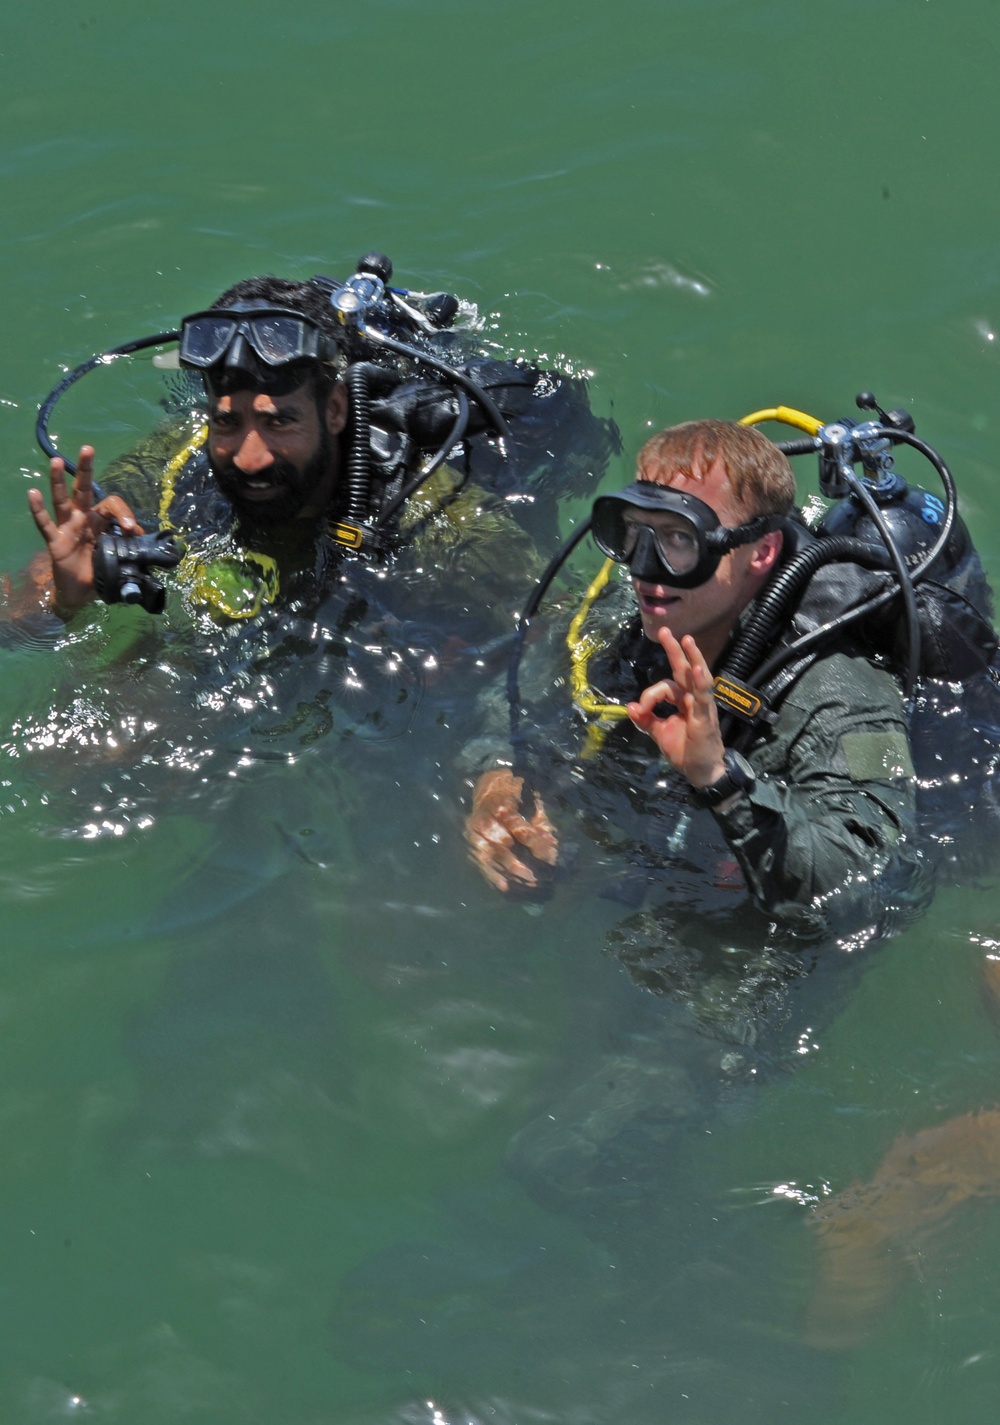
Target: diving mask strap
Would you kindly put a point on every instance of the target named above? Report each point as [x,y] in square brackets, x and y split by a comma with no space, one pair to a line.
[725,539]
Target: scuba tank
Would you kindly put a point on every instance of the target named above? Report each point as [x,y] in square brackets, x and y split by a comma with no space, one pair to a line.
[927,611]
[954,601]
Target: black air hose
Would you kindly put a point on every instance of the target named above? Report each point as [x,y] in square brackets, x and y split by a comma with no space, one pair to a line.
[102,359]
[783,592]
[804,644]
[782,656]
[911,612]
[359,380]
[517,740]
[809,446]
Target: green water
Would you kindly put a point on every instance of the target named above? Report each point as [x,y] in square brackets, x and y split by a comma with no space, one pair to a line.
[255,1103]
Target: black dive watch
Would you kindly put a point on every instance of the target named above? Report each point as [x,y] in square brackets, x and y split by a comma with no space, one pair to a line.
[739,776]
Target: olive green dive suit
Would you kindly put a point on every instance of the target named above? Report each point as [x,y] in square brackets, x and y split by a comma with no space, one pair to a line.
[824,839]
[739,920]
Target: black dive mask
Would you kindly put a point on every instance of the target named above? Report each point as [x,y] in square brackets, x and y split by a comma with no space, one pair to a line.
[666,536]
[273,349]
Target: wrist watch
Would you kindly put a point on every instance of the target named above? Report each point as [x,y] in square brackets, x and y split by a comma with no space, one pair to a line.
[739,776]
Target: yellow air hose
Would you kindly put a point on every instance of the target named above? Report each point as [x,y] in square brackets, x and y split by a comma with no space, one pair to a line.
[787,415]
[226,585]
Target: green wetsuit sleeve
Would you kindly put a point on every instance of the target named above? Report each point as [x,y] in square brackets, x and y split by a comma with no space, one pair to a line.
[138,474]
[832,814]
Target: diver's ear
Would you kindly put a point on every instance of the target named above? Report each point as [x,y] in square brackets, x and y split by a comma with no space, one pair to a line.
[766,552]
[336,408]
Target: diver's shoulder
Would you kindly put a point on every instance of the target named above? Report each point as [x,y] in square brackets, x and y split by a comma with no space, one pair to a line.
[849,676]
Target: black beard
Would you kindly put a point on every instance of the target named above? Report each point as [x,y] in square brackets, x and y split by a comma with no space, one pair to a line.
[299,485]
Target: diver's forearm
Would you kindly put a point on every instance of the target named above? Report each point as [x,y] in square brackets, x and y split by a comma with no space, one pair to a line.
[37,591]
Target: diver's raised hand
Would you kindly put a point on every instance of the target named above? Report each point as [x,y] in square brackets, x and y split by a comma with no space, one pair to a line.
[66,569]
[689,739]
[498,833]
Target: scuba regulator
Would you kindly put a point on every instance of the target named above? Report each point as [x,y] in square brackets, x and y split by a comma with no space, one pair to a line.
[123,565]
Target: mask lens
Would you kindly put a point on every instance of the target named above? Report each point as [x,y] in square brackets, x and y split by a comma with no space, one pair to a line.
[205,339]
[276,338]
[610,532]
[678,548]
[279,339]
[677,545]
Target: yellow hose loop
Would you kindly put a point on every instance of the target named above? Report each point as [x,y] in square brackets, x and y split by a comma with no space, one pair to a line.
[213,584]
[582,647]
[788,416]
[172,471]
[206,581]
[596,587]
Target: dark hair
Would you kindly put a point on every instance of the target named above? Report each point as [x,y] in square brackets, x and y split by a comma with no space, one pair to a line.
[308,298]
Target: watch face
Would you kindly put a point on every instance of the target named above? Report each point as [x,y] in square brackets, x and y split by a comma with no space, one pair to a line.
[740,770]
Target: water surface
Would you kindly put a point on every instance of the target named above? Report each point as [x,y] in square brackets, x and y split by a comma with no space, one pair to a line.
[264,1060]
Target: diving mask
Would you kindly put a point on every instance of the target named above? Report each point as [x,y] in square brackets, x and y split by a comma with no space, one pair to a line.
[666,536]
[259,345]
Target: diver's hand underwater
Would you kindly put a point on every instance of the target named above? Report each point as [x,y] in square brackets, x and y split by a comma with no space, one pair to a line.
[499,834]
[868,1234]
